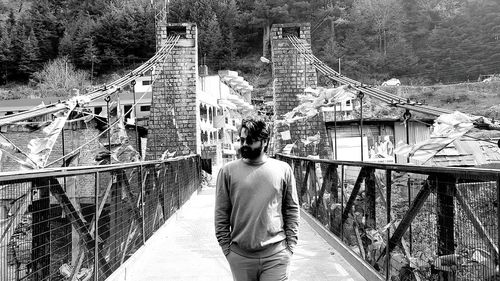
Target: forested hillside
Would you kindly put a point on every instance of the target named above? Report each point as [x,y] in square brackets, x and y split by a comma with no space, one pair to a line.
[418,41]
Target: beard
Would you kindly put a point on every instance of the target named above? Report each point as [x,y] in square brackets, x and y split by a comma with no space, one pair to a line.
[249,153]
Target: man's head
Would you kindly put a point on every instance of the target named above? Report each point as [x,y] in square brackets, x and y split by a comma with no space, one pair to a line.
[254,138]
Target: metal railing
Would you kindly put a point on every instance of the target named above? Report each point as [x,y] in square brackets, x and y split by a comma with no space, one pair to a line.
[408,222]
[82,223]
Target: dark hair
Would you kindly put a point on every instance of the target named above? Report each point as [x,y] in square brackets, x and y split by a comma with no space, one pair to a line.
[257,129]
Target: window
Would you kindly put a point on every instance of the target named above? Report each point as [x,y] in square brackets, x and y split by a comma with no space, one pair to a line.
[348,103]
[146,82]
[97,110]
[146,108]
[127,110]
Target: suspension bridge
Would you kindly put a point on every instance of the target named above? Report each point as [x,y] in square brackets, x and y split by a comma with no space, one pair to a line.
[85,201]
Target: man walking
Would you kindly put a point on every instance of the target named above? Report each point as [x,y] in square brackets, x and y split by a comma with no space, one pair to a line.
[256,210]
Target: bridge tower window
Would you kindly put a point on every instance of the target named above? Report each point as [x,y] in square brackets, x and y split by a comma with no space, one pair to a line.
[293,31]
[177,30]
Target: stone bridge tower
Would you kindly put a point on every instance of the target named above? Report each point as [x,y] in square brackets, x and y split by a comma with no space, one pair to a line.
[173,122]
[291,75]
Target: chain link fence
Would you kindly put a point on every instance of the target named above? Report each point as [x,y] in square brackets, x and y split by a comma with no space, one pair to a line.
[407,222]
[82,223]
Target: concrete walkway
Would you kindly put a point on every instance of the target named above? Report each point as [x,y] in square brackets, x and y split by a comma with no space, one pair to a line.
[185,249]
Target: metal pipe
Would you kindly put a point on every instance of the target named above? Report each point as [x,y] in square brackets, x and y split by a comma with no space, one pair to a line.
[360,96]
[335,129]
[107,99]
[96,227]
[137,138]
[64,157]
[341,201]
[388,187]
[406,117]
[155,148]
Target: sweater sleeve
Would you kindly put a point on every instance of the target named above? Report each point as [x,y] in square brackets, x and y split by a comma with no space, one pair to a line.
[222,213]
[291,210]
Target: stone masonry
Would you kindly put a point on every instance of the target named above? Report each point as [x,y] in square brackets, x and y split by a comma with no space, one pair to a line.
[173,122]
[291,75]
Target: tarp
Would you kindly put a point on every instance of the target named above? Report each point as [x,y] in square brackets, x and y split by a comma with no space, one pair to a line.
[446,129]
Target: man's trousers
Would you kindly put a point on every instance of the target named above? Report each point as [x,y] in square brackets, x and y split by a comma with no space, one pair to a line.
[272,268]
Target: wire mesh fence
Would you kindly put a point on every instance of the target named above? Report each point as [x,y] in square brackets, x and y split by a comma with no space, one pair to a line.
[83,223]
[407,222]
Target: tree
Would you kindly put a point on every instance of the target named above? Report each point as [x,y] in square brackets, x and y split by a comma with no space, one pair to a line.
[266,13]
[59,76]
[6,56]
[46,27]
[382,15]
[212,42]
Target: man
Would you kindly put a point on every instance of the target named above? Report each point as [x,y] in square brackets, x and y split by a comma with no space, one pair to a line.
[256,210]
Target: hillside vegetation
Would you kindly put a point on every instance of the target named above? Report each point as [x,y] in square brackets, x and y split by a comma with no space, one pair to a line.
[478,98]
[423,42]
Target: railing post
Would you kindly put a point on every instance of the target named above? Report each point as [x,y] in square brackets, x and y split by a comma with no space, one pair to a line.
[388,189]
[40,251]
[143,205]
[498,215]
[96,227]
[342,202]
[408,183]
[445,187]
[108,114]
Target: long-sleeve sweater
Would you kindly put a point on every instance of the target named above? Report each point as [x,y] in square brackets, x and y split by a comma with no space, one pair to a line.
[256,208]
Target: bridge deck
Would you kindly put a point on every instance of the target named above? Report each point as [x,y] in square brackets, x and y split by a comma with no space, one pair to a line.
[185,249]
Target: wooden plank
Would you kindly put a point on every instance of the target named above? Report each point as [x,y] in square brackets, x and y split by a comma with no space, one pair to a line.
[361,248]
[130,197]
[355,190]
[415,207]
[75,219]
[476,222]
[161,192]
[101,207]
[156,195]
[328,181]
[370,188]
[115,223]
[331,182]
[304,182]
[79,262]
[312,185]
[131,236]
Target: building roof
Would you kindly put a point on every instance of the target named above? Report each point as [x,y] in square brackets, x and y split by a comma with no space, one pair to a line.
[477,148]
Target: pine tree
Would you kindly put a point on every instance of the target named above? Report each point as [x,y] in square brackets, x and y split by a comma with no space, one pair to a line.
[28,60]
[6,57]
[47,27]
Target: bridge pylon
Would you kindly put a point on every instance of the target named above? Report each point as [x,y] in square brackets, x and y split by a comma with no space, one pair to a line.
[173,122]
[291,75]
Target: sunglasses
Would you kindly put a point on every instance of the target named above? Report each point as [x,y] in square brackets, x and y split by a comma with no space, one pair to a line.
[249,141]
